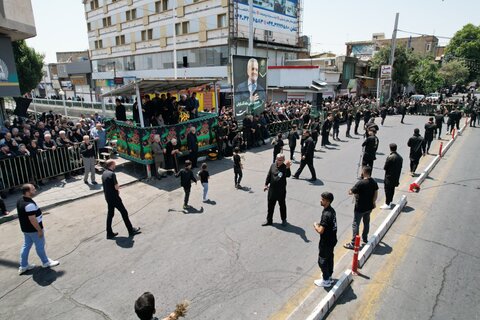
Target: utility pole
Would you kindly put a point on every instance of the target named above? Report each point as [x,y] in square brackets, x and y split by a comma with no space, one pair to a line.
[392,52]
[174,22]
[250,28]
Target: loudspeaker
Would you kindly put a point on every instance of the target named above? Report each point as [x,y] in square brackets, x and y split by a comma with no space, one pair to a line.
[185,62]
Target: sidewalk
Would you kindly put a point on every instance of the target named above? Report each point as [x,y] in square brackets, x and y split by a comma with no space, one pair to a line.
[60,191]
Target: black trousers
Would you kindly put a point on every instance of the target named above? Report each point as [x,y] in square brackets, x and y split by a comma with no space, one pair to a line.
[367,162]
[304,163]
[325,261]
[413,164]
[428,143]
[292,151]
[348,129]
[438,130]
[389,192]
[3,208]
[403,117]
[193,157]
[271,208]
[117,204]
[187,195]
[357,123]
[238,175]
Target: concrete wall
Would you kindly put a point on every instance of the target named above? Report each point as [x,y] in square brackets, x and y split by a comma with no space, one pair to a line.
[16,19]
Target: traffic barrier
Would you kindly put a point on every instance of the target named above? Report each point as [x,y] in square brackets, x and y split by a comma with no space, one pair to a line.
[440,150]
[453,134]
[356,246]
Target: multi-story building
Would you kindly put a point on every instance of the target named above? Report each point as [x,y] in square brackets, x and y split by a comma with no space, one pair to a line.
[137,38]
[16,23]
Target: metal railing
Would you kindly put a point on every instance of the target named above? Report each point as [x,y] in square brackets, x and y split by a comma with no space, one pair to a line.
[79,104]
[19,170]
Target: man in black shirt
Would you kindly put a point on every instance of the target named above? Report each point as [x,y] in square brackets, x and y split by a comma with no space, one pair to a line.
[327,228]
[370,146]
[292,141]
[366,192]
[88,156]
[186,177]
[111,190]
[417,149]
[120,112]
[276,184]
[393,169]
[237,167]
[31,223]
[308,150]
[430,127]
[439,121]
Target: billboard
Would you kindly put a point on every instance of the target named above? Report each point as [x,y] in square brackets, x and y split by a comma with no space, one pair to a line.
[273,15]
[8,72]
[250,84]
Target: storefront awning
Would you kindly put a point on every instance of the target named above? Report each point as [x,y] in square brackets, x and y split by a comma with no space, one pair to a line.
[160,85]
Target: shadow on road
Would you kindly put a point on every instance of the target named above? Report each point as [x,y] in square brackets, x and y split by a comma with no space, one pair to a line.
[124,242]
[46,276]
[292,229]
[382,249]
[9,263]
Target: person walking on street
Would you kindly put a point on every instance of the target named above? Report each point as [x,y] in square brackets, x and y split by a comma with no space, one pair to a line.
[350,119]
[276,184]
[417,149]
[403,112]
[393,169]
[358,117]
[327,125]
[277,146]
[88,155]
[327,228]
[383,114]
[473,117]
[31,223]
[186,178]
[111,190]
[292,141]
[370,146]
[365,192]
[237,167]
[308,150]
[439,121]
[204,177]
[429,133]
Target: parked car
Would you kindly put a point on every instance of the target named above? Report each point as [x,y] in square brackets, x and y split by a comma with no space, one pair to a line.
[435,96]
[418,97]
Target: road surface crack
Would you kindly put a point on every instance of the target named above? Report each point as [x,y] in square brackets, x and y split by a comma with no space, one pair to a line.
[442,285]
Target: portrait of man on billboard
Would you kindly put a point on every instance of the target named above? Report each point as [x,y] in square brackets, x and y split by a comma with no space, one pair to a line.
[250,95]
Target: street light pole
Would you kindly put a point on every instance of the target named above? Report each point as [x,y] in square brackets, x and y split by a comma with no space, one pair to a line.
[62,93]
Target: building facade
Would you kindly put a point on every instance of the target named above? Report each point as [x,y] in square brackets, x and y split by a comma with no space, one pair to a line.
[137,38]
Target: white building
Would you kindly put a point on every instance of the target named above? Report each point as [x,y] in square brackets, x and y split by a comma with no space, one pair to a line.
[135,38]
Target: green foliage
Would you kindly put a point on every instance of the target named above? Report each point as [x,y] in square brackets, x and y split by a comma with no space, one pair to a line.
[425,76]
[405,61]
[465,45]
[29,65]
[454,72]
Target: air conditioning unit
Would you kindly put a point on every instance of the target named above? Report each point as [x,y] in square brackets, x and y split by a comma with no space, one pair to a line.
[267,34]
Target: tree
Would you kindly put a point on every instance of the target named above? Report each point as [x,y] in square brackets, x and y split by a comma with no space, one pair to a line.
[29,65]
[425,76]
[454,72]
[405,61]
[465,45]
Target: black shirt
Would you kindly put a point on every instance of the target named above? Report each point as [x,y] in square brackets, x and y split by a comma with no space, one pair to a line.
[109,180]
[329,222]
[203,174]
[87,153]
[277,180]
[237,161]
[186,177]
[277,148]
[27,207]
[365,190]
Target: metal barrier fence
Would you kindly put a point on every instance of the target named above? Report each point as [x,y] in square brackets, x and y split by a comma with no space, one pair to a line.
[19,170]
[80,104]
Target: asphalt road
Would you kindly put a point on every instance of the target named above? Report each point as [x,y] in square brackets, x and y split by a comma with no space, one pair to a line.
[428,265]
[217,256]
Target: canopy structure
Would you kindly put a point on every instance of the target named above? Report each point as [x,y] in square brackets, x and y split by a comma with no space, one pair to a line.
[160,85]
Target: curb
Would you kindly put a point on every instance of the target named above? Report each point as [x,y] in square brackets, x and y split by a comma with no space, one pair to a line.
[327,303]
[14,216]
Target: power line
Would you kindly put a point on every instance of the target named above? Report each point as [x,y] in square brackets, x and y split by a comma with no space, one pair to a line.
[430,35]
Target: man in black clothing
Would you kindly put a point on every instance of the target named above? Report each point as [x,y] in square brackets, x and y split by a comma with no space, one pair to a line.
[439,121]
[276,184]
[403,112]
[327,228]
[111,190]
[88,156]
[292,141]
[327,125]
[278,146]
[315,131]
[393,169]
[417,149]
[120,112]
[366,192]
[358,117]
[186,177]
[192,145]
[350,119]
[308,150]
[370,146]
[383,114]
[473,117]
[429,133]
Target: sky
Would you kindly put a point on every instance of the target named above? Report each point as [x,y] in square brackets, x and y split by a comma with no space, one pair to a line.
[61,24]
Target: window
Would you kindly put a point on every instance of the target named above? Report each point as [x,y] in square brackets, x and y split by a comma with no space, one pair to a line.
[165,5]
[131,14]
[98,44]
[89,26]
[428,47]
[94,4]
[147,35]
[158,6]
[182,28]
[222,21]
[120,40]
[107,22]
